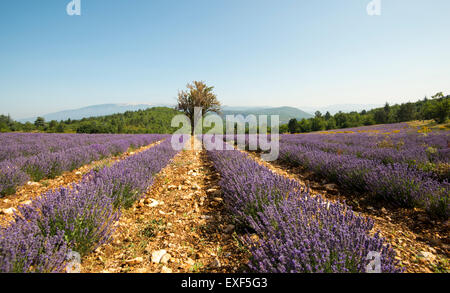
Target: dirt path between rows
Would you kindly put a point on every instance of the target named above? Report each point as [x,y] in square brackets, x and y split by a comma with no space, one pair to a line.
[31,190]
[414,255]
[180,226]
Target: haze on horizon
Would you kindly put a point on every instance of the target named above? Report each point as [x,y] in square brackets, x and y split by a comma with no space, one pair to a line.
[255,52]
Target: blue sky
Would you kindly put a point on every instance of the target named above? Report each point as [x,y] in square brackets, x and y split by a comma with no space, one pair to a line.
[255,52]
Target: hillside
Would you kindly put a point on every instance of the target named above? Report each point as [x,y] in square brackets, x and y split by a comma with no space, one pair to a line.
[91,111]
[126,118]
[158,119]
[153,120]
[285,113]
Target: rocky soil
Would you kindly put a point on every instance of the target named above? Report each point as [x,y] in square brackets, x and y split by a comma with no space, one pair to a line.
[180,226]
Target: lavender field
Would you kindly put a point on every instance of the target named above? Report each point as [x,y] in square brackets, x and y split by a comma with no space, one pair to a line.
[298,233]
[36,156]
[403,165]
[81,217]
[224,210]
[234,144]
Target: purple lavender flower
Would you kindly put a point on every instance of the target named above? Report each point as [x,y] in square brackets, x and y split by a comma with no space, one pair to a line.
[80,217]
[297,232]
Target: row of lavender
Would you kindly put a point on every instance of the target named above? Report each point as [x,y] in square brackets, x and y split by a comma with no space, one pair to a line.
[360,161]
[298,233]
[47,156]
[423,152]
[15,145]
[78,218]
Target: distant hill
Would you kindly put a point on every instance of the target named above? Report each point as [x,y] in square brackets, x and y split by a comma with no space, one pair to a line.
[346,108]
[285,113]
[152,120]
[158,119]
[92,111]
[242,108]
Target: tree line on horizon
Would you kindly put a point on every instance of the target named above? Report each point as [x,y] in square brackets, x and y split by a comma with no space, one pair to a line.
[153,120]
[158,120]
[436,108]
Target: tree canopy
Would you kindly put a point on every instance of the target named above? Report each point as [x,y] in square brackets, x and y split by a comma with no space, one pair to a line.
[198,94]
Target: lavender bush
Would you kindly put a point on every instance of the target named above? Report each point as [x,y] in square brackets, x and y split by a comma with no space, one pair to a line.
[50,159]
[83,212]
[304,234]
[24,249]
[130,178]
[79,218]
[297,232]
[10,177]
[391,170]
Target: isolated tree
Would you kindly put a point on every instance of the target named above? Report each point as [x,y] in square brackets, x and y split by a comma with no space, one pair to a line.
[198,94]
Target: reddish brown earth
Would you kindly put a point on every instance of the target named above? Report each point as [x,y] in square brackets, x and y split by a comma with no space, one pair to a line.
[180,226]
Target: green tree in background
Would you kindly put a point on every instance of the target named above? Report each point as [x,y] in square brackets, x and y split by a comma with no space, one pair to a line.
[158,119]
[40,122]
[380,116]
[60,128]
[406,112]
[441,109]
[437,108]
[331,124]
[317,124]
[292,125]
